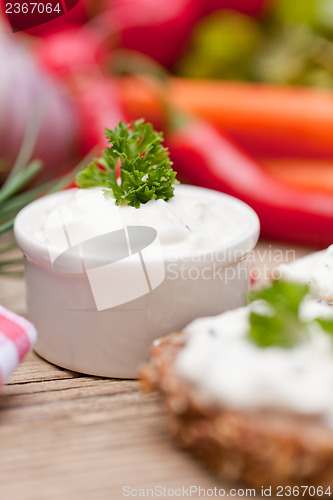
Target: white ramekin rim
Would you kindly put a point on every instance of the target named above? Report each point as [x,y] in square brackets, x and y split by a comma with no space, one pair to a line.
[38,251]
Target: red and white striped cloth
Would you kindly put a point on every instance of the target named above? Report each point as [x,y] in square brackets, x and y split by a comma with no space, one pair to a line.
[17,336]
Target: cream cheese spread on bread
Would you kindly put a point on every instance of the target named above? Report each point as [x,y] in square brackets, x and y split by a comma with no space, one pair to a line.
[316,270]
[227,369]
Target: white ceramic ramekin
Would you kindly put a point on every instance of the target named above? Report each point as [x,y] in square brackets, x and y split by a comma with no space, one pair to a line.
[114,341]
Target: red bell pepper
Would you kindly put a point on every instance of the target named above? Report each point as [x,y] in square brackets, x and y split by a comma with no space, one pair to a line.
[160,30]
[207,158]
[250,7]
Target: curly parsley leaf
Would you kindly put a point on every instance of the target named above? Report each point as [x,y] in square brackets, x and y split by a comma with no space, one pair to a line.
[326,324]
[145,166]
[276,322]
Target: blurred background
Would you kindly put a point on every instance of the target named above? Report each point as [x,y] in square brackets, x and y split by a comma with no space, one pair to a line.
[241,88]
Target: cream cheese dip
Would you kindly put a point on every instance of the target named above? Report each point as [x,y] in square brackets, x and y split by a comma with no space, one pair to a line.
[227,369]
[189,222]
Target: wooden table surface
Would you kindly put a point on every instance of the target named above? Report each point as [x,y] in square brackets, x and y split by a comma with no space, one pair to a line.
[68,436]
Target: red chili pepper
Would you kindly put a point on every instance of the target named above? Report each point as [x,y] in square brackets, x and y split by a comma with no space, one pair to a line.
[207,158]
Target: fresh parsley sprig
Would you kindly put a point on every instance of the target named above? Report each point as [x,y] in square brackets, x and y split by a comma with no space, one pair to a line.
[276,320]
[326,324]
[145,166]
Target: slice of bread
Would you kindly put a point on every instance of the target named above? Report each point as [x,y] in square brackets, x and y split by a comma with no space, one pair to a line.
[258,449]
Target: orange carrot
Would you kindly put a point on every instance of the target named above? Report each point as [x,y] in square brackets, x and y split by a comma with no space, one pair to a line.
[268,120]
[139,97]
[313,175]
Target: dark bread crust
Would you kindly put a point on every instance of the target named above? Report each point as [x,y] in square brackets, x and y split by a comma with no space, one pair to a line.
[257,449]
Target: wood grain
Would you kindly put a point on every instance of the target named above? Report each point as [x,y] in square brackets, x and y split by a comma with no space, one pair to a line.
[68,436]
